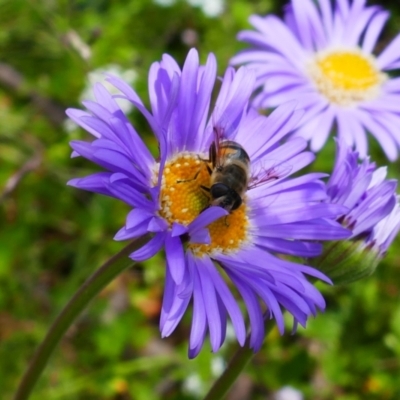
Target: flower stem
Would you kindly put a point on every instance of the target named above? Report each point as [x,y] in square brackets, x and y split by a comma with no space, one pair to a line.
[90,288]
[232,371]
[238,362]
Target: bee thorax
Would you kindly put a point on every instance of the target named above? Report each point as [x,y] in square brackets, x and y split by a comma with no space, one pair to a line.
[232,175]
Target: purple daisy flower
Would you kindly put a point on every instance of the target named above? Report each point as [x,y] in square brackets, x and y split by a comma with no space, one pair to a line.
[362,188]
[321,55]
[373,216]
[384,232]
[170,199]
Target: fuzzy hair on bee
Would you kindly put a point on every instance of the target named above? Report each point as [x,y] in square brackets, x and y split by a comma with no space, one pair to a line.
[230,176]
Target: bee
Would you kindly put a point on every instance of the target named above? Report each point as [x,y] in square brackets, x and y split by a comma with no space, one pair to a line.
[230,176]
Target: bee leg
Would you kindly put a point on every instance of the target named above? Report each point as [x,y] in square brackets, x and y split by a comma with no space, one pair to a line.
[205,161]
[189,180]
[226,220]
[205,188]
[212,154]
[206,193]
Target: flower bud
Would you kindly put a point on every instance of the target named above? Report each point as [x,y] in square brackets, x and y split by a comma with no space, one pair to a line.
[373,217]
[347,261]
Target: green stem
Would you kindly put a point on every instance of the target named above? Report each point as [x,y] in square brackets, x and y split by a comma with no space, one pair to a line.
[232,371]
[91,287]
[238,362]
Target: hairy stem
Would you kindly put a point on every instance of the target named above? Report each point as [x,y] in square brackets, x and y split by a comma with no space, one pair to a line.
[90,288]
[236,365]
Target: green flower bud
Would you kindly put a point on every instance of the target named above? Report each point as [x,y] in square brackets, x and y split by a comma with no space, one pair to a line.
[347,261]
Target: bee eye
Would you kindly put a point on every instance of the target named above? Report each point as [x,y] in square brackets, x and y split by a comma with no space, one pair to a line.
[218,190]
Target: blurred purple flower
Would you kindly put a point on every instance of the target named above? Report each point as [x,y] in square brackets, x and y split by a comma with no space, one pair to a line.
[321,55]
[373,211]
[384,232]
[373,216]
[284,216]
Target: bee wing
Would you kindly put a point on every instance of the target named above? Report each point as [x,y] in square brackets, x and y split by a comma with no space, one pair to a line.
[268,171]
[218,131]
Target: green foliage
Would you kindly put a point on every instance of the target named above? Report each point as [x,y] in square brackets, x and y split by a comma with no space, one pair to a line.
[53,236]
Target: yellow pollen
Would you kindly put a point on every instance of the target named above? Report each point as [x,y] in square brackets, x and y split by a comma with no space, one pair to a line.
[227,234]
[182,199]
[346,77]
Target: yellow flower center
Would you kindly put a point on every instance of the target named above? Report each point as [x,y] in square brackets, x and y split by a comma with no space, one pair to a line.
[182,199]
[346,77]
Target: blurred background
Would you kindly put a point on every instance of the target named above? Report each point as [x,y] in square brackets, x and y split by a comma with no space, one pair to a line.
[53,237]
